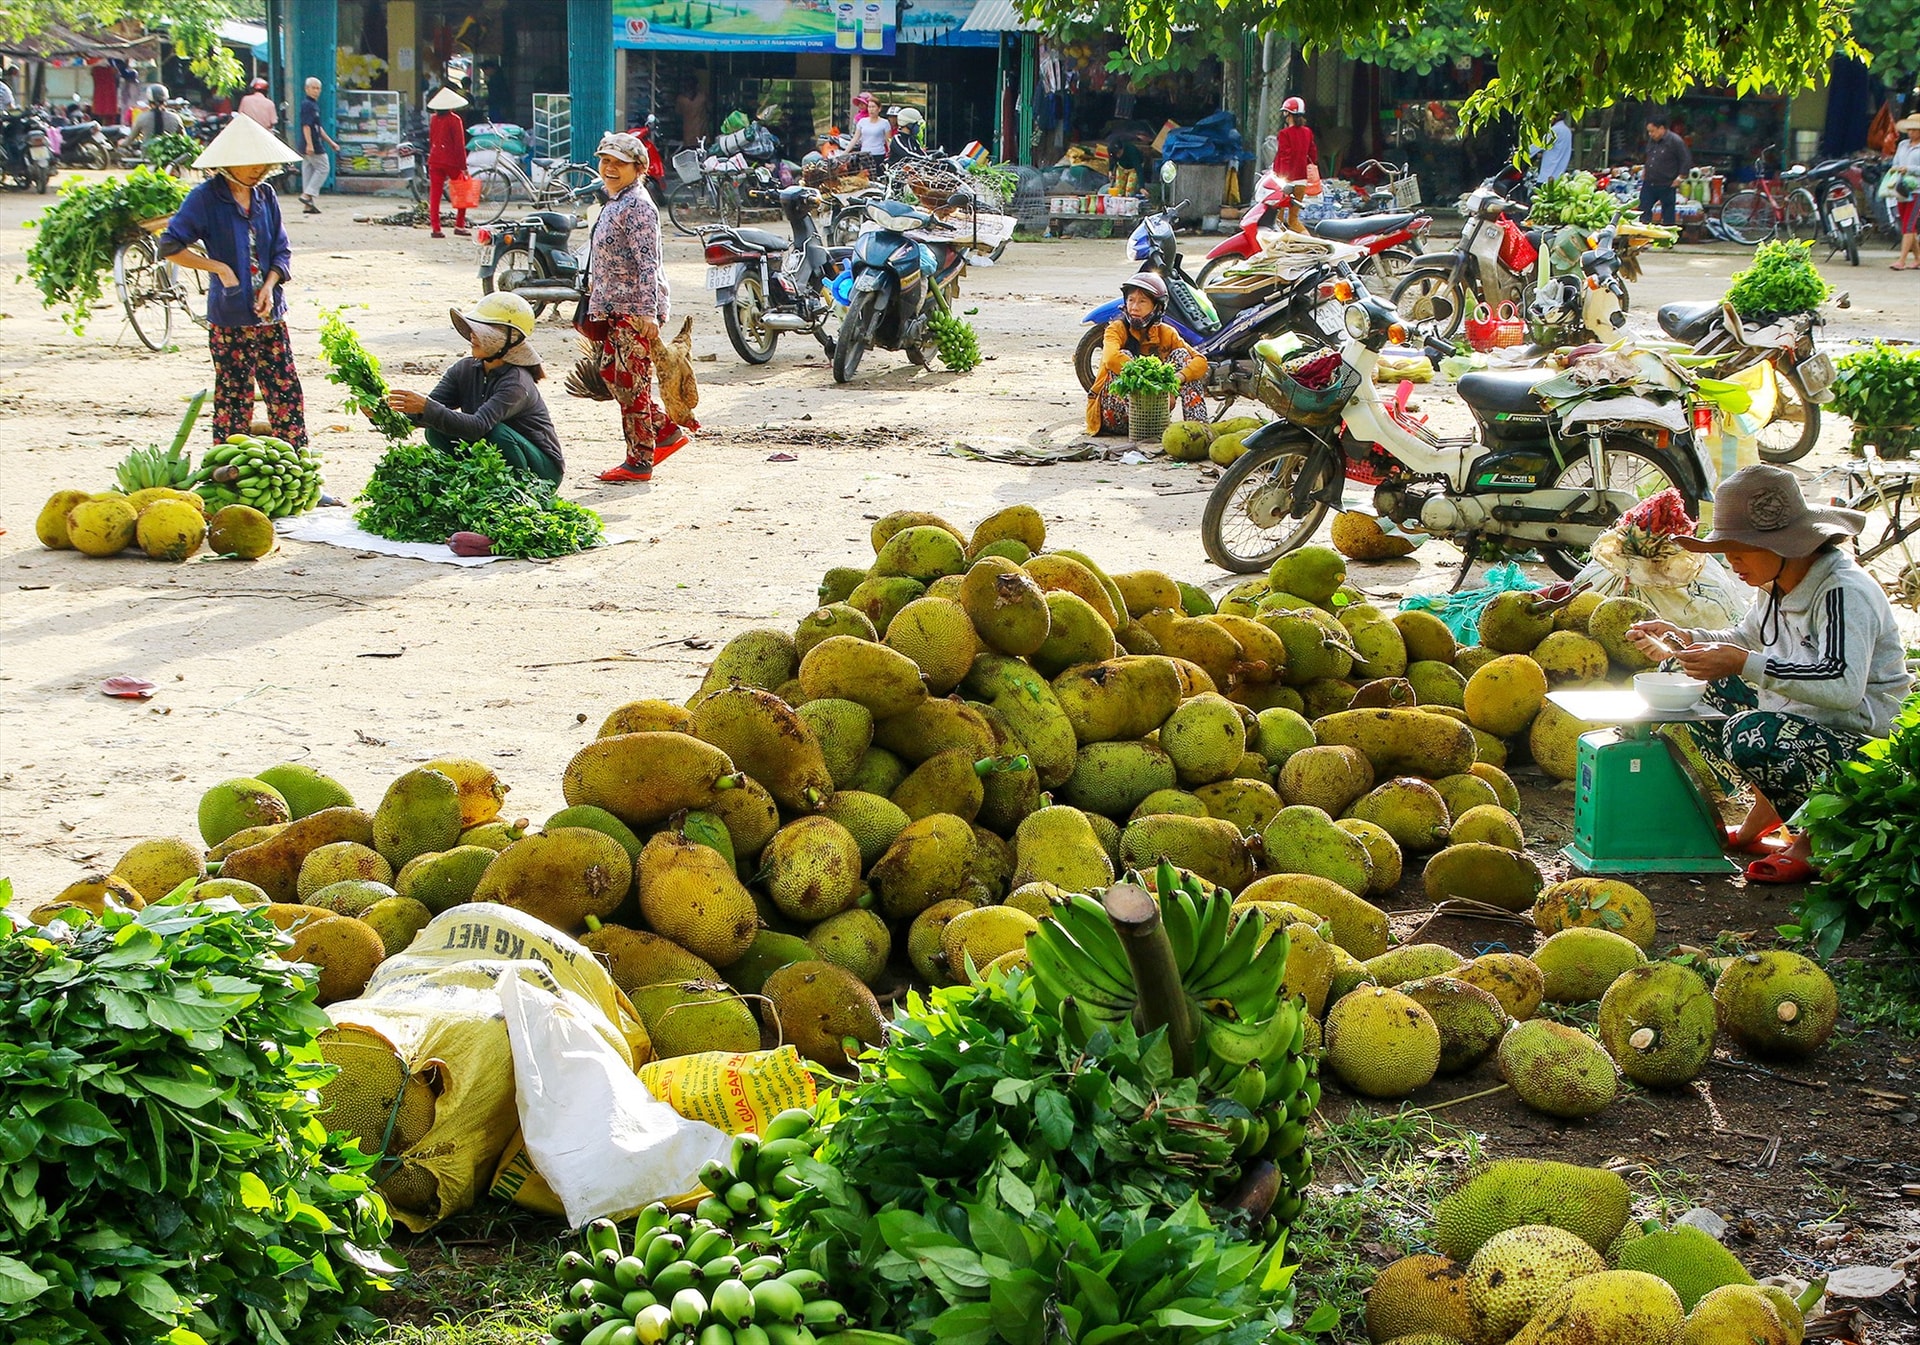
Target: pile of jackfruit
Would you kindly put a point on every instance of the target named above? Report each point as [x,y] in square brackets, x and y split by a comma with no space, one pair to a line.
[1544,1253]
[1220,442]
[165,523]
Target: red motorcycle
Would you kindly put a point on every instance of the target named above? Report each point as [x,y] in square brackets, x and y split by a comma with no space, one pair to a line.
[656,161]
[1390,240]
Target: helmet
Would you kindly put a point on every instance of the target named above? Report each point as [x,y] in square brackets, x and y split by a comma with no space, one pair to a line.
[907,116]
[502,308]
[1296,107]
[156,95]
[1151,285]
[258,86]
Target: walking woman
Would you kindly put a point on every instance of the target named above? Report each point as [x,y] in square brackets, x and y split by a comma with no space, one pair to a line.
[234,218]
[1901,187]
[626,306]
[446,155]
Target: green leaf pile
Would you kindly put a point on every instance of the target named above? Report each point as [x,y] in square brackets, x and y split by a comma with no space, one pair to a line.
[1781,280]
[1860,820]
[1878,387]
[355,368]
[1575,199]
[1149,374]
[163,151]
[166,1177]
[419,494]
[77,236]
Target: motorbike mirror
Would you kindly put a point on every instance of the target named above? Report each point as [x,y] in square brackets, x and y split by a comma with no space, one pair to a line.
[1169,170]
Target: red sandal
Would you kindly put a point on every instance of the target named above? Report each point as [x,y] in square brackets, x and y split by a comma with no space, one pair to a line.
[1780,869]
[1763,844]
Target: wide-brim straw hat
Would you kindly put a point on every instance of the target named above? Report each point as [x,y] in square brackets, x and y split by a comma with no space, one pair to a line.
[244,142]
[1763,507]
[446,101]
[1908,123]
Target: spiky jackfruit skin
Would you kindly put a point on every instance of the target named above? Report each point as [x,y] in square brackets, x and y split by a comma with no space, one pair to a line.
[1411,962]
[1615,1307]
[1590,1202]
[1510,625]
[1518,1269]
[1740,1313]
[819,1006]
[1381,1044]
[1476,870]
[1470,1020]
[1580,963]
[561,876]
[1658,1023]
[1356,925]
[1303,839]
[1777,1003]
[1557,1069]
[1419,1294]
[1596,903]
[1688,1258]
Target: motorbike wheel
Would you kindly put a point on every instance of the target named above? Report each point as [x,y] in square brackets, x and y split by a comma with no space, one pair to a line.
[1248,523]
[753,342]
[1086,355]
[1795,426]
[41,176]
[844,227]
[1386,268]
[1213,268]
[1629,467]
[95,156]
[855,330]
[1420,296]
[1853,249]
[515,267]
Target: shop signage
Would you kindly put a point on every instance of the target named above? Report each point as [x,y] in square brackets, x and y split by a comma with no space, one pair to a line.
[846,26]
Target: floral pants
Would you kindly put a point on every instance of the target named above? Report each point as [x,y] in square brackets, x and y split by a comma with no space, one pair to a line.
[1782,755]
[259,356]
[626,363]
[1112,411]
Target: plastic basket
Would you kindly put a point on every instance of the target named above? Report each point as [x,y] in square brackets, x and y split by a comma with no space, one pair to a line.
[686,165]
[1294,401]
[1148,415]
[1406,192]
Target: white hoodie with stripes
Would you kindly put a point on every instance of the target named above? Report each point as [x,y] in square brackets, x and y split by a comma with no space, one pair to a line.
[1830,652]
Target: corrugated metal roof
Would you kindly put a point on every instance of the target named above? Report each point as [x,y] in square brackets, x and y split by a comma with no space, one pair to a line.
[997,16]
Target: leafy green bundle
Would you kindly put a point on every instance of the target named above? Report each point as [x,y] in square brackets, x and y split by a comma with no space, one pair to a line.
[164,151]
[77,236]
[1861,823]
[1575,199]
[419,494]
[1149,374]
[1782,279]
[1879,386]
[355,368]
[167,1177]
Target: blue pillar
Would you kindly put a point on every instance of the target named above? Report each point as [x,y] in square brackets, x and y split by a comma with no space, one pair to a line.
[590,73]
[313,43]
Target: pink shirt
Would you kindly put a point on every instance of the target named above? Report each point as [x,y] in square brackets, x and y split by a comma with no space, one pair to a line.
[627,277]
[261,109]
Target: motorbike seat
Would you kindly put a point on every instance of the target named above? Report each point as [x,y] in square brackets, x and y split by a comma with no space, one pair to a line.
[1505,391]
[1688,321]
[760,238]
[553,221]
[1831,167]
[1358,226]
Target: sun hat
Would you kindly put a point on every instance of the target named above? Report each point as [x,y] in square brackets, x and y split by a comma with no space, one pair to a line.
[1763,507]
[622,146]
[242,143]
[1908,123]
[507,314]
[446,100]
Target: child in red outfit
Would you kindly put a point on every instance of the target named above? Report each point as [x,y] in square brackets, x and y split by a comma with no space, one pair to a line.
[446,155]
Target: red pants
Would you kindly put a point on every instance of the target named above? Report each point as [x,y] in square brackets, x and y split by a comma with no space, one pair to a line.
[437,179]
[626,363]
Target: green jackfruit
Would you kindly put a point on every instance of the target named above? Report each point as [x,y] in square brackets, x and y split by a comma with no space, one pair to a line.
[924,940]
[1510,624]
[1206,738]
[1688,1258]
[1488,824]
[1017,522]
[396,920]
[754,658]
[645,778]
[1407,809]
[856,940]
[1557,1069]
[274,863]
[1419,1294]
[444,879]
[946,782]
[1471,1021]
[1777,1003]
[1247,803]
[1581,963]
[1381,1044]
[1355,924]
[981,935]
[1007,607]
[937,635]
[923,553]
[354,896]
[156,867]
[1317,645]
[927,863]
[235,805]
[1213,849]
[1169,801]
[561,876]
[305,789]
[690,894]
[879,772]
[1076,634]
[1327,778]
[1383,854]
[1504,696]
[1518,1269]
[1568,657]
[1615,1307]
[1657,1022]
[765,737]
[838,582]
[1427,638]
[842,730]
[1314,572]
[826,622]
[419,814]
[1608,627]
[1598,903]
[1056,572]
[818,1006]
[769,951]
[1303,839]
[1401,742]
[1278,733]
[1437,683]
[1590,1202]
[1736,1312]
[1111,778]
[1411,962]
[873,822]
[1032,713]
[1510,978]
[1477,871]
[1057,845]
[884,680]
[811,871]
[880,598]
[1126,697]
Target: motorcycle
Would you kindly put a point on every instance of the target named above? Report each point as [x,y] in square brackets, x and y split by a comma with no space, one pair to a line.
[83,142]
[1837,187]
[1391,240]
[534,257]
[899,283]
[26,152]
[656,161]
[1526,475]
[764,284]
[1802,374]
[1592,301]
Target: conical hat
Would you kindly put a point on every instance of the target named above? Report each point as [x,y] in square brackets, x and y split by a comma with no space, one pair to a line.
[446,100]
[244,141]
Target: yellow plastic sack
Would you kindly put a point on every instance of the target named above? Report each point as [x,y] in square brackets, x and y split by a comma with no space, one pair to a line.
[438,1007]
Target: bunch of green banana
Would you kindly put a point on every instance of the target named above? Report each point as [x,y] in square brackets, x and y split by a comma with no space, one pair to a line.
[749,1186]
[270,474]
[683,1282]
[145,468]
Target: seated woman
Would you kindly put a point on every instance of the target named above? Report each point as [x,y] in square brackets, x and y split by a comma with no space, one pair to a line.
[1814,669]
[1141,332]
[491,394]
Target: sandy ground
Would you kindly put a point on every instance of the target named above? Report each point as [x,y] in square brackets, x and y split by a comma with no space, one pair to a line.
[362,664]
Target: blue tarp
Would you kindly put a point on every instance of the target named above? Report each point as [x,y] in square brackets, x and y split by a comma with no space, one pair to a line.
[1212,139]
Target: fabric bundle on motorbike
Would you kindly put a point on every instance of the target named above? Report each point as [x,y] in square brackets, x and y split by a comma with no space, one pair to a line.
[1639,558]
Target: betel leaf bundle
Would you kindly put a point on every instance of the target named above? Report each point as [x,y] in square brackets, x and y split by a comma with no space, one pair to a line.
[1149,375]
[419,494]
[1782,279]
[167,1178]
[354,367]
[76,238]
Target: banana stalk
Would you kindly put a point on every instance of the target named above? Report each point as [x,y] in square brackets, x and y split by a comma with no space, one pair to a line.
[1156,972]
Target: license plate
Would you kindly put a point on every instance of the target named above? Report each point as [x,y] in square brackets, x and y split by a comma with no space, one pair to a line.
[1331,318]
[1845,216]
[42,155]
[719,277]
[1816,372]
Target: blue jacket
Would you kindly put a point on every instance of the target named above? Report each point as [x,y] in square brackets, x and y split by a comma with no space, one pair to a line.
[210,217]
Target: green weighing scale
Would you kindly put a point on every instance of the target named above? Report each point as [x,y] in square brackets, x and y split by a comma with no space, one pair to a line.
[1638,809]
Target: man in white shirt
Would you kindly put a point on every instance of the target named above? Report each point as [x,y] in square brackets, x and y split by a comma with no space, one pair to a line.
[1557,158]
[7,101]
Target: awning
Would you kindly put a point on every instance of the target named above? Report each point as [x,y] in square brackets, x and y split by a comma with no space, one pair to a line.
[56,42]
[997,16]
[237,34]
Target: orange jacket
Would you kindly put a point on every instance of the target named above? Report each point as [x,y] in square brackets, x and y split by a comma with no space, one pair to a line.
[1160,340]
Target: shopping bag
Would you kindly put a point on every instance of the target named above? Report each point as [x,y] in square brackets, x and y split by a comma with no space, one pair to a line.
[1482,328]
[1313,187]
[464,192]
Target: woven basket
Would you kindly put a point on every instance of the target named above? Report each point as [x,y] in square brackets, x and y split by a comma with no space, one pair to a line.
[1148,415]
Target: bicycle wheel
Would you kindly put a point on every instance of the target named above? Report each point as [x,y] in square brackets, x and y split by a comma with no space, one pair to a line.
[572,189]
[1889,547]
[1795,426]
[1627,467]
[690,208]
[498,188]
[727,196]
[137,280]
[1249,521]
[1747,217]
[1803,216]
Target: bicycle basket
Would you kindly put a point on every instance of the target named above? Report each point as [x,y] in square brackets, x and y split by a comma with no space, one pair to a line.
[1281,387]
[1406,192]
[686,165]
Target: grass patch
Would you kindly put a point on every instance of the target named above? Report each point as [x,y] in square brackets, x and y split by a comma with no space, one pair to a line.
[481,1279]
[1378,1176]
[1881,994]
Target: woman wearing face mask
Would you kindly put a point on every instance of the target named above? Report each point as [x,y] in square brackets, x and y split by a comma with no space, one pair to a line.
[1141,332]
[1814,669]
[234,219]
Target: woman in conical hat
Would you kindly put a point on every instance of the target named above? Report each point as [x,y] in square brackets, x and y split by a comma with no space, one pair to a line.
[230,227]
[446,154]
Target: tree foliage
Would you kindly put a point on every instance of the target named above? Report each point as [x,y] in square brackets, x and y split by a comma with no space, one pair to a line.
[1889,30]
[1572,55]
[193,26]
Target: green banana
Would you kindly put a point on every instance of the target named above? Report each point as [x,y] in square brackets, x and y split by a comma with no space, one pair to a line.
[572,1266]
[792,1123]
[720,1268]
[1177,913]
[714,1210]
[760,1268]
[675,1277]
[716,1334]
[777,1301]
[823,1315]
[745,1146]
[716,1176]
[664,1249]
[733,1303]
[603,1334]
[689,1306]
[652,1324]
[749,1335]
[640,1298]
[774,1155]
[740,1197]
[1235,952]
[808,1282]
[709,1243]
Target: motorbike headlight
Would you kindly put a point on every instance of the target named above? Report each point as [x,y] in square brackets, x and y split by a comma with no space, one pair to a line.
[1357,322]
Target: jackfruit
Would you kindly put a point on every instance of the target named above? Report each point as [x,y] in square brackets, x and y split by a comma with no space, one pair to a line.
[1263,655]
[748,813]
[1206,738]
[345,950]
[1076,634]
[102,525]
[1580,963]
[1314,572]
[305,789]
[646,716]
[1419,1294]
[1359,536]
[1504,696]
[1511,624]
[754,658]
[355,896]
[1317,645]
[1056,572]
[927,863]
[1688,1258]
[872,821]
[1615,1307]
[1488,824]
[879,772]
[274,863]
[1206,645]
[1213,849]
[1589,1202]
[1115,598]
[91,894]
[769,740]
[946,782]
[156,867]
[1409,810]
[443,879]
[884,680]
[838,582]
[695,1016]
[1008,609]
[983,934]
[1248,804]
[1608,627]
[1411,962]
[1657,1022]
[1380,1043]
[1057,845]
[1383,854]
[636,959]
[1477,871]
[235,805]
[482,792]
[645,778]
[419,813]
[1470,1020]
[812,872]
[1518,1269]
[924,940]
[1225,449]
[1303,839]
[1125,697]
[769,952]
[1596,903]
[689,893]
[170,530]
[1776,1003]
[51,526]
[1554,740]
[938,637]
[1112,777]
[1436,683]
[561,876]
[922,553]
[1356,925]
[1325,696]
[892,524]
[937,725]
[1017,522]
[1735,1312]
[251,836]
[339,862]
[1328,778]
[1566,656]
[1170,801]
[856,940]
[1379,649]
[599,819]
[1427,638]
[1278,733]
[1309,966]
[242,531]
[372,1096]
[1401,742]
[1146,590]
[1510,978]
[1464,791]
[1556,1069]
[817,1006]
[396,920]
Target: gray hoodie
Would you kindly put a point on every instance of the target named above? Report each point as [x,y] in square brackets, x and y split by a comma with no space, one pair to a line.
[1830,652]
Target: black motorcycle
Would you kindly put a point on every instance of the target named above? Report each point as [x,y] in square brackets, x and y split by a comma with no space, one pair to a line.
[1802,373]
[534,257]
[83,142]
[26,152]
[900,281]
[764,284]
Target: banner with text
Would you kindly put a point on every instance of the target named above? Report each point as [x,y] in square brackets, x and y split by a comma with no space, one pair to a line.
[849,26]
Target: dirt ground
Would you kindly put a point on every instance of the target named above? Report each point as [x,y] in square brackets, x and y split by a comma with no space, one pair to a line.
[363,664]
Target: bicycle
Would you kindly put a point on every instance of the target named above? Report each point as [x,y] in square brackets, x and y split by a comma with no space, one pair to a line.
[713,191]
[505,181]
[1761,212]
[150,287]
[1887,492]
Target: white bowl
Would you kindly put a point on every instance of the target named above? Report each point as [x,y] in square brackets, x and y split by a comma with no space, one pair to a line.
[1668,690]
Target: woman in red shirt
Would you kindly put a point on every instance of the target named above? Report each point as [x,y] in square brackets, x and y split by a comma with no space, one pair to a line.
[1296,146]
[446,155]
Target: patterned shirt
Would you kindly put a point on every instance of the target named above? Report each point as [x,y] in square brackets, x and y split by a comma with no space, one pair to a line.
[626,271]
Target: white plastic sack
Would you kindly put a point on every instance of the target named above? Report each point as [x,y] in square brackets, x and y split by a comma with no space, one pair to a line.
[598,1137]
[1694,591]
